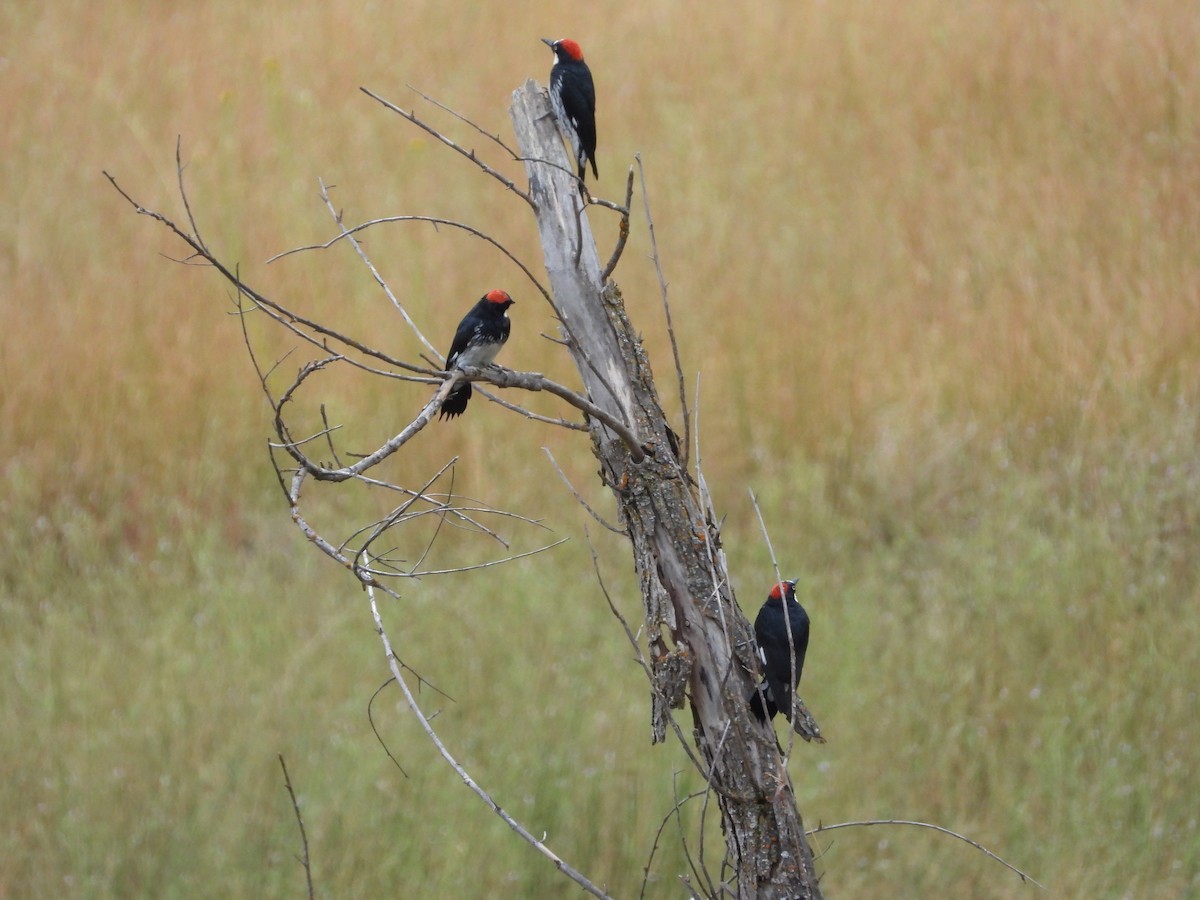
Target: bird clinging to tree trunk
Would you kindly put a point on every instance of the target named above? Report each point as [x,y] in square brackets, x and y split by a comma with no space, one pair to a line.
[781,630]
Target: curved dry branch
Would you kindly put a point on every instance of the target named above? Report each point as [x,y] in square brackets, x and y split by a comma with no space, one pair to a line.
[432,220]
[674,813]
[954,834]
[231,275]
[496,375]
[461,771]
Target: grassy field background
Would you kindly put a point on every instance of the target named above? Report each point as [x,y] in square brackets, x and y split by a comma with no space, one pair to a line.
[938,266]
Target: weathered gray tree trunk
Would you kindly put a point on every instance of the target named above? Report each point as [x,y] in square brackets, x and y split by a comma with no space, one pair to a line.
[693,622]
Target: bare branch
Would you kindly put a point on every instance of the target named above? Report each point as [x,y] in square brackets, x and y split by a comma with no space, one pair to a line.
[529,414]
[304,858]
[259,299]
[662,288]
[535,381]
[495,138]
[1023,876]
[490,563]
[462,773]
[579,499]
[187,207]
[435,221]
[337,218]
[672,814]
[623,231]
[402,510]
[469,154]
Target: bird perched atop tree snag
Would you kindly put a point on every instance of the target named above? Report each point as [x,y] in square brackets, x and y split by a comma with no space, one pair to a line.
[573,99]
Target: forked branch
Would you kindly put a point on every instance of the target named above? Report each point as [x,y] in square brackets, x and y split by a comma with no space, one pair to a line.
[375,562]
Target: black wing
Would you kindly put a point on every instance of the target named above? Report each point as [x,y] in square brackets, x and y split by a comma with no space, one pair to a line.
[468,328]
[770,630]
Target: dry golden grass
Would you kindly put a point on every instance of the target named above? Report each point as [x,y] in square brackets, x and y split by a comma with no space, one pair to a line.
[937,265]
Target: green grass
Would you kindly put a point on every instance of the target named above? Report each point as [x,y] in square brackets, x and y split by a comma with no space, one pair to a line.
[936,265]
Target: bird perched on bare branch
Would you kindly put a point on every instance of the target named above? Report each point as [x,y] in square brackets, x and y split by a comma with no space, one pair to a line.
[479,337]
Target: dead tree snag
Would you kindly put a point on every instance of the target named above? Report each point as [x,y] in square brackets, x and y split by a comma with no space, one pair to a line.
[698,637]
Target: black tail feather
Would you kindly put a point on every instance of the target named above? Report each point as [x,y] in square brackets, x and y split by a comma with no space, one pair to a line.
[455,403]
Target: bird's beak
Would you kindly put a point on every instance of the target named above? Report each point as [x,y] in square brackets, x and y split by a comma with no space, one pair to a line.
[549,43]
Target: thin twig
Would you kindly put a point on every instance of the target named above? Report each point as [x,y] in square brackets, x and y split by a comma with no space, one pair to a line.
[579,499]
[441,519]
[432,220]
[490,563]
[495,138]
[697,869]
[304,859]
[530,414]
[259,299]
[375,728]
[401,511]
[462,773]
[469,154]
[640,657]
[1023,876]
[674,811]
[662,288]
[187,207]
[333,454]
[622,230]
[379,279]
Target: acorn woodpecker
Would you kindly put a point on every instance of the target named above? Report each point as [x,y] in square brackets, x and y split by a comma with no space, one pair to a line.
[573,99]
[480,335]
[782,660]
